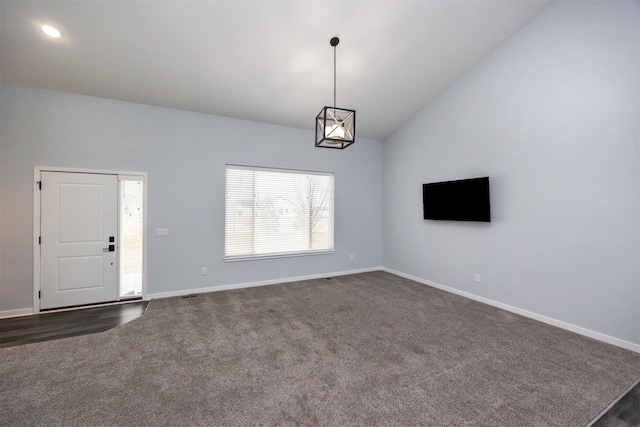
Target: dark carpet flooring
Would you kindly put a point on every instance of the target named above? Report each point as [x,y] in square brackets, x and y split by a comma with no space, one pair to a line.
[366,349]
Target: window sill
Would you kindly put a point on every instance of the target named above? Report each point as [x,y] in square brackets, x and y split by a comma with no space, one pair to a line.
[279,255]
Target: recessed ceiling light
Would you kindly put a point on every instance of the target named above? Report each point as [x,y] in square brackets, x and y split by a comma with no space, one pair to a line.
[51,31]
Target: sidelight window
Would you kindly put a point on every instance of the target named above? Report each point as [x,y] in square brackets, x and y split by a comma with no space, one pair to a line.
[131,236]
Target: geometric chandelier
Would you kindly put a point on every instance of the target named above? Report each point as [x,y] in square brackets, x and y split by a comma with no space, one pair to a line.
[335,127]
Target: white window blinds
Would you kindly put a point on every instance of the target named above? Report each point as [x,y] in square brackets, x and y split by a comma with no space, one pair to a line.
[277,212]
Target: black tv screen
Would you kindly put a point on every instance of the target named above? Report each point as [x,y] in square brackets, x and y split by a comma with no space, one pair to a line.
[462,200]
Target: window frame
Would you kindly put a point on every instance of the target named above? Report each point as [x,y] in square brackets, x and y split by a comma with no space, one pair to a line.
[285,254]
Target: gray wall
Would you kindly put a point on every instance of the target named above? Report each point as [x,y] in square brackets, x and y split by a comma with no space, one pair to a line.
[553,117]
[184,154]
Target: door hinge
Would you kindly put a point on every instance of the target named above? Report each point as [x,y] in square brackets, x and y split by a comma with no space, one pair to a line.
[39,240]
[39,185]
[39,294]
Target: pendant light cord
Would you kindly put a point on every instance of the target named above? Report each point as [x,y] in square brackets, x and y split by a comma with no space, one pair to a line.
[334,77]
[334,42]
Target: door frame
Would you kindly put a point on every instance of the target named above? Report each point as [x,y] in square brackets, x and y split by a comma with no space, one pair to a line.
[37,173]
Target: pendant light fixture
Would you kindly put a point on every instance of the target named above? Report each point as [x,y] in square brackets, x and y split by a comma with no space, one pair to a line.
[335,127]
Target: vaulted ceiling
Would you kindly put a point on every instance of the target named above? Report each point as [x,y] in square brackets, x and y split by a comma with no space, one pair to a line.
[268,61]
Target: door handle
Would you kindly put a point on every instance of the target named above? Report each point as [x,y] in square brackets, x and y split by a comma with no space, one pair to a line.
[111,248]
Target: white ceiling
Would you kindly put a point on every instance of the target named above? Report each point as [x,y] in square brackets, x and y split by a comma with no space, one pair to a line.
[268,61]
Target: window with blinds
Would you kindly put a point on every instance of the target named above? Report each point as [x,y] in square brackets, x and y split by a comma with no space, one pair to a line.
[277,212]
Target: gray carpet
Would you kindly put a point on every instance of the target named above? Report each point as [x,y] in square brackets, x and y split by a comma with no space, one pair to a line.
[366,349]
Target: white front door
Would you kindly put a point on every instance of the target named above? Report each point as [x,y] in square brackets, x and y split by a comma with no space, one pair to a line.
[79,228]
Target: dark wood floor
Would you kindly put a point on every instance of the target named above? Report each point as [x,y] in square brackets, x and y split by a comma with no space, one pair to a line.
[625,413]
[50,326]
[62,324]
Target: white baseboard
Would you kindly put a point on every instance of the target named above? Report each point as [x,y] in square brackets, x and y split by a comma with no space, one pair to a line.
[30,311]
[16,313]
[254,284]
[548,320]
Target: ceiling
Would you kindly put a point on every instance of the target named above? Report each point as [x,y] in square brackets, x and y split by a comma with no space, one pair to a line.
[267,61]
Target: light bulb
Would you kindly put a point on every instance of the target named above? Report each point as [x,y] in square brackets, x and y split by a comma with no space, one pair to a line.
[51,31]
[335,131]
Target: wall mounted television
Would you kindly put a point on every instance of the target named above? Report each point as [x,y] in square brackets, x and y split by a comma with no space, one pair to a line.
[461,200]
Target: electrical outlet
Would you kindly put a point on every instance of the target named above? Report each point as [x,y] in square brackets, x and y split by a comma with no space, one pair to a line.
[204,271]
[351,257]
[476,278]
[162,232]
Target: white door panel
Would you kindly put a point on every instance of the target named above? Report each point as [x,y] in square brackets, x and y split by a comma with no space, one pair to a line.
[83,203]
[81,272]
[79,217]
